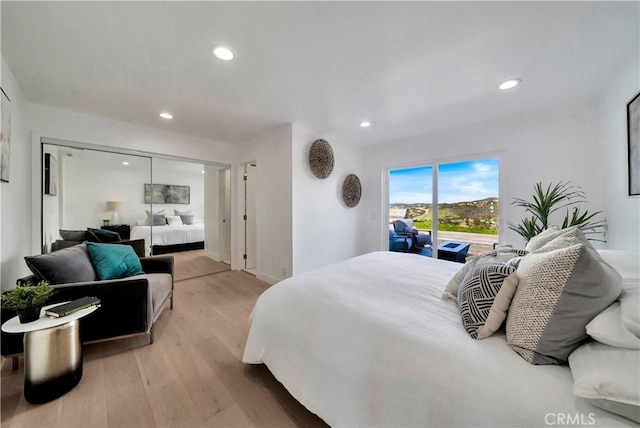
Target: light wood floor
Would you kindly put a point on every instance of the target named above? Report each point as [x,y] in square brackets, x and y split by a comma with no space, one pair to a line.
[191,376]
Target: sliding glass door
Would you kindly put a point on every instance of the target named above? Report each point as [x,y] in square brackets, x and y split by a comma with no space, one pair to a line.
[456,204]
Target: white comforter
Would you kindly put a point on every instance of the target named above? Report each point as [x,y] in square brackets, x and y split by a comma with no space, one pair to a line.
[168,235]
[369,342]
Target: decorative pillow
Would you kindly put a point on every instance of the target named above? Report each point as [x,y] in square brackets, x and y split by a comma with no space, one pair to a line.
[73,235]
[561,288]
[543,237]
[113,261]
[608,378]
[174,220]
[159,220]
[105,235]
[451,290]
[500,307]
[186,219]
[505,254]
[186,212]
[149,215]
[607,328]
[478,292]
[64,266]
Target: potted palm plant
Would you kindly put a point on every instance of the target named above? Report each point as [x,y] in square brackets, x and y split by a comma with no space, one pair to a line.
[27,300]
[547,201]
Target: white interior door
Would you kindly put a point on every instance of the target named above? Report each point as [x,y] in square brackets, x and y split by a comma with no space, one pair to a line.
[250,216]
[225,214]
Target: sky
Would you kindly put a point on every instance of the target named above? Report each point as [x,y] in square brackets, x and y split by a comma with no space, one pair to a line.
[458,182]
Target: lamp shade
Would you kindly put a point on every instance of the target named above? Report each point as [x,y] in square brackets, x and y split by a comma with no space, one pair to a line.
[114,205]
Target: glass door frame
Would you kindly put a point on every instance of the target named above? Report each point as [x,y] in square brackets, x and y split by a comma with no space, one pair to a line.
[434,164]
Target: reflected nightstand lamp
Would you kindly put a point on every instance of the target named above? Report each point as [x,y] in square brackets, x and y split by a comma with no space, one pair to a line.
[114,206]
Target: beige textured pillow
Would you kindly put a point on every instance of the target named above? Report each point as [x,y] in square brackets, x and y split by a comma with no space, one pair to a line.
[562,286]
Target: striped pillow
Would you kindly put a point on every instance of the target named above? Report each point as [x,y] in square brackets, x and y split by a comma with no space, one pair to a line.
[478,292]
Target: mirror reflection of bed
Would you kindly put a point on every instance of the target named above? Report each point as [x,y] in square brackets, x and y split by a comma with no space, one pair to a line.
[177,206]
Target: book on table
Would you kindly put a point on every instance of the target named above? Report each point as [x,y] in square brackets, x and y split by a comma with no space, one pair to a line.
[72,306]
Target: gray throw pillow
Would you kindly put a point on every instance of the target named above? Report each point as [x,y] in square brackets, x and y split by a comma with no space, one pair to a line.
[64,266]
[74,235]
[562,286]
[181,213]
[478,291]
[159,220]
[186,219]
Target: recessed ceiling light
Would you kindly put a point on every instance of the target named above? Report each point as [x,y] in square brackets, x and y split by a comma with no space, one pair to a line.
[166,115]
[365,124]
[511,83]
[223,53]
[203,171]
[125,163]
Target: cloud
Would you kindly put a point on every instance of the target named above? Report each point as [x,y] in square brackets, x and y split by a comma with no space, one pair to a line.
[459,182]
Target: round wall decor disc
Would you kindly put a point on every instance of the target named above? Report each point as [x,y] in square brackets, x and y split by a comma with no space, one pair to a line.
[351,190]
[321,158]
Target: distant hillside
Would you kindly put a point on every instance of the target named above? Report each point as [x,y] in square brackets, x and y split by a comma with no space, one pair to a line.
[481,213]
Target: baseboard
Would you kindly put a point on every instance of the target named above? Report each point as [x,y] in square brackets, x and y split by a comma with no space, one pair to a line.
[268,278]
[212,256]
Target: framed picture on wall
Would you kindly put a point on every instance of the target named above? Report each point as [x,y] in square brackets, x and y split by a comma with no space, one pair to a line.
[50,175]
[633,141]
[166,194]
[5,137]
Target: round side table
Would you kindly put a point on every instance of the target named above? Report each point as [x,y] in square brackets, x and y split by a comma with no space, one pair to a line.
[52,353]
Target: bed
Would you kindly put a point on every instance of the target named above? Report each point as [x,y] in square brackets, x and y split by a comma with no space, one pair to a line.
[170,238]
[370,342]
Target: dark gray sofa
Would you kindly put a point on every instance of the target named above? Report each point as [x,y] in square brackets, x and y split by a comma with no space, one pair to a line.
[128,305]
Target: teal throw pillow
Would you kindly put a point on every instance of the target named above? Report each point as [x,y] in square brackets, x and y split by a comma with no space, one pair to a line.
[105,235]
[113,261]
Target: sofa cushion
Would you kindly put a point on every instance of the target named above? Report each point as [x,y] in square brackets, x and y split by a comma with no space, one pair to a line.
[64,266]
[562,286]
[161,286]
[105,235]
[73,235]
[113,261]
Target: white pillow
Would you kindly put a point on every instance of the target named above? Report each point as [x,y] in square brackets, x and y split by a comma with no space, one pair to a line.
[607,328]
[178,212]
[174,220]
[608,378]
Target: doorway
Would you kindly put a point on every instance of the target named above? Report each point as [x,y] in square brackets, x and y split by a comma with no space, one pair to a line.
[250,218]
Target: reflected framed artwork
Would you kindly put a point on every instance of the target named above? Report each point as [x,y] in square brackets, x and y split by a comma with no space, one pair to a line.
[5,137]
[633,141]
[50,175]
[166,194]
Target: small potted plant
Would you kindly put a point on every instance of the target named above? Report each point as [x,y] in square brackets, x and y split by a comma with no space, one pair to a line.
[27,300]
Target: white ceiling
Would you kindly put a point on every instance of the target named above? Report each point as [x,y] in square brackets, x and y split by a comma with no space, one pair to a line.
[408,68]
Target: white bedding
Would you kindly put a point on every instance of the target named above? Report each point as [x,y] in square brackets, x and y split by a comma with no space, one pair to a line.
[168,235]
[369,342]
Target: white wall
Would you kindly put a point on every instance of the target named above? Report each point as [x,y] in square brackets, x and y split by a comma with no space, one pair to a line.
[325,230]
[623,211]
[15,210]
[272,152]
[548,146]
